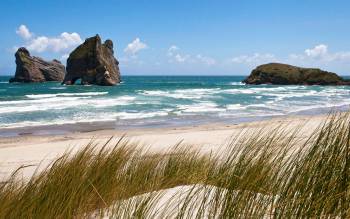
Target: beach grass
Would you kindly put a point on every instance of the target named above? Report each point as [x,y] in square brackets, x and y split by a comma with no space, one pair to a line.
[267,174]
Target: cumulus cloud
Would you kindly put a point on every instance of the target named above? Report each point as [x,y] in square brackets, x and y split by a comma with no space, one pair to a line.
[320,53]
[172,50]
[255,59]
[135,46]
[24,32]
[317,55]
[206,60]
[63,42]
[55,44]
[175,55]
[181,58]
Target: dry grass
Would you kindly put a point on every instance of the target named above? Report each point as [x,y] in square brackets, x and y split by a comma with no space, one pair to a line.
[259,176]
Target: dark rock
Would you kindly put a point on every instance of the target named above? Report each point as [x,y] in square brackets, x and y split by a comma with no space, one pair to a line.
[34,69]
[282,74]
[93,63]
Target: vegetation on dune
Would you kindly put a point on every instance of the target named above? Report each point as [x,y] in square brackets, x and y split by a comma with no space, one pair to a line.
[271,174]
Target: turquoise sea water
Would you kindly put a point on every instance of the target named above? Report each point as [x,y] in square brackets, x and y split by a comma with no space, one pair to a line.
[161,100]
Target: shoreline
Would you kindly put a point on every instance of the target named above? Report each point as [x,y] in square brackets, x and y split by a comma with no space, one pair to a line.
[142,103]
[39,151]
[149,124]
[86,127]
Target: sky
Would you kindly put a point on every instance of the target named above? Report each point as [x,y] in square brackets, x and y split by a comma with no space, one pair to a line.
[183,37]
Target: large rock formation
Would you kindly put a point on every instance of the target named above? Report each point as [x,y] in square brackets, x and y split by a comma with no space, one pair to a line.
[34,69]
[282,74]
[93,63]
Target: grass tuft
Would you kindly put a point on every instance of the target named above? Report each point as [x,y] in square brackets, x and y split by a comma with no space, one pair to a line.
[271,174]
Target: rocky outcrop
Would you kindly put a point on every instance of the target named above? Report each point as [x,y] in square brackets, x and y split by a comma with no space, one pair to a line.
[93,63]
[34,69]
[282,74]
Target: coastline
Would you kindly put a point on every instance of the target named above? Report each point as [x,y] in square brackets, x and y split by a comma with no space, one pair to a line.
[39,150]
[153,124]
[161,102]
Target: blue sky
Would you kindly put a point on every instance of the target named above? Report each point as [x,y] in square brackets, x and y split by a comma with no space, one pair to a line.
[184,37]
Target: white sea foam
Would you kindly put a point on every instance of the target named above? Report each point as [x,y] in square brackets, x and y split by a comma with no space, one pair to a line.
[238,91]
[270,89]
[38,101]
[89,117]
[77,118]
[42,106]
[101,106]
[58,88]
[333,92]
[258,105]
[198,90]
[237,83]
[39,96]
[179,94]
[235,107]
[286,92]
[59,103]
[199,107]
[119,101]
[140,115]
[283,95]
[171,94]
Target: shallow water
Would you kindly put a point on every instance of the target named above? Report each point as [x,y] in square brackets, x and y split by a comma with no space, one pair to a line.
[161,100]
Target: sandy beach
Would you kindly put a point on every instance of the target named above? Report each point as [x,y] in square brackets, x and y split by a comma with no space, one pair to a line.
[34,151]
[184,109]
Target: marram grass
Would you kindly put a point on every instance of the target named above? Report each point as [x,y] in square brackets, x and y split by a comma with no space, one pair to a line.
[269,174]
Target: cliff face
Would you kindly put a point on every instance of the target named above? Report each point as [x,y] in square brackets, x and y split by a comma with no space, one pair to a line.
[34,69]
[93,63]
[276,73]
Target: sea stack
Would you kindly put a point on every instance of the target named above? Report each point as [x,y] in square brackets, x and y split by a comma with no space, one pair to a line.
[93,62]
[34,69]
[283,74]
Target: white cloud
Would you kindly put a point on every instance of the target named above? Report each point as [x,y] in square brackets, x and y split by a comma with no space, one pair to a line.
[172,49]
[175,55]
[24,32]
[55,44]
[135,46]
[206,60]
[62,43]
[64,57]
[181,58]
[320,53]
[130,61]
[38,44]
[341,56]
[255,59]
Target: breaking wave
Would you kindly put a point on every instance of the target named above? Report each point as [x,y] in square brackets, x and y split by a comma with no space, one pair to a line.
[147,98]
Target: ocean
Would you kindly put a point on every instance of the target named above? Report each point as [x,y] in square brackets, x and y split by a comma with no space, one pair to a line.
[155,101]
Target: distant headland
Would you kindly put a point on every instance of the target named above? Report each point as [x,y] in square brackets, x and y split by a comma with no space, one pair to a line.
[283,74]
